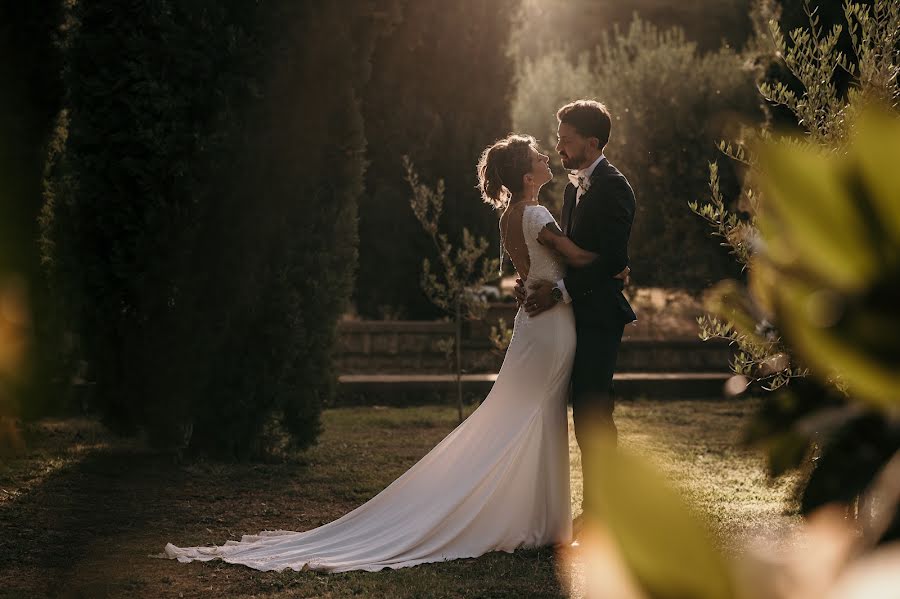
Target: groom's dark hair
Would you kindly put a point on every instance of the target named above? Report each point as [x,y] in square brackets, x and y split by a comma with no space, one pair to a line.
[589,117]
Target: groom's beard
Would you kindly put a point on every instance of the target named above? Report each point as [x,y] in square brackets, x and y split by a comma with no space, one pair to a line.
[573,163]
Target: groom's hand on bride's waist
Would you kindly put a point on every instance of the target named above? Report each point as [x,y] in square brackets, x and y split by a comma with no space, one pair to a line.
[520,292]
[540,298]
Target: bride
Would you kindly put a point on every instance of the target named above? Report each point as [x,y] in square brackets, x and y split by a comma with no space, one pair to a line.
[500,480]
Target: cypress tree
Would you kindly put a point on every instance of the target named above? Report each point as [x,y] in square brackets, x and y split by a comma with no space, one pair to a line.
[200,217]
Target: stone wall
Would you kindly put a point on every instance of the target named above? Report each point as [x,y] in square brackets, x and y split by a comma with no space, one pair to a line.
[413,347]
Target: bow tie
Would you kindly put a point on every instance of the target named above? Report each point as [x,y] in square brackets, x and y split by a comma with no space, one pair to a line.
[579,181]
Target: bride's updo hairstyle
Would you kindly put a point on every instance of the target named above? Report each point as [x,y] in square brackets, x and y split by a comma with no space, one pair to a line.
[501,168]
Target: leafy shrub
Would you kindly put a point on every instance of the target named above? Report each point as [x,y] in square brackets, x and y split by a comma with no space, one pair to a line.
[575,26]
[817,322]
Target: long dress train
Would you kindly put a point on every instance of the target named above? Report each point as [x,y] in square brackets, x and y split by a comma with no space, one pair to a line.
[499,481]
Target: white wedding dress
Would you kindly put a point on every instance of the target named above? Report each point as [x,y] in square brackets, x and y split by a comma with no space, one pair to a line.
[498,482]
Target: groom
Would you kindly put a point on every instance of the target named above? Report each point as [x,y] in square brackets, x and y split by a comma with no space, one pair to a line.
[597,215]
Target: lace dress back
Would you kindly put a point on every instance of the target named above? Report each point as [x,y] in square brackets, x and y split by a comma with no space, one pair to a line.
[544,263]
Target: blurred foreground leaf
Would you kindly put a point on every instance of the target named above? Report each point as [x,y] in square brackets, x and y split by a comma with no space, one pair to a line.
[849,461]
[663,544]
[830,259]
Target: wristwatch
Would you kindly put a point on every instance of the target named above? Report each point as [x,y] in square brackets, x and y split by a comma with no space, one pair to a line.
[556,294]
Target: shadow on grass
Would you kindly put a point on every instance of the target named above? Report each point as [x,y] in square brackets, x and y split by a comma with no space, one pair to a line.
[67,521]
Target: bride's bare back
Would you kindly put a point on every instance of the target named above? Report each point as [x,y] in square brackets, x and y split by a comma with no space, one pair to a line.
[512,236]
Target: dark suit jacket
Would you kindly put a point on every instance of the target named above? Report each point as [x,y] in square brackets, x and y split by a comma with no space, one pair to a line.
[600,223]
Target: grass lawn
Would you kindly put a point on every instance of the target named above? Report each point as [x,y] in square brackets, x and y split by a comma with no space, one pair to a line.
[81,511]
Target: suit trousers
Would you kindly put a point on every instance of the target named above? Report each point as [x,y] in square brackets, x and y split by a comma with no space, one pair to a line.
[593,398]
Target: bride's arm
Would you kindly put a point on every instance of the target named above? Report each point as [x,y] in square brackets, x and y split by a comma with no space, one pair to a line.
[551,237]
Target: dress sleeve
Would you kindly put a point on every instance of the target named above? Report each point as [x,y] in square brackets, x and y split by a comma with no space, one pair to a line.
[535,220]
